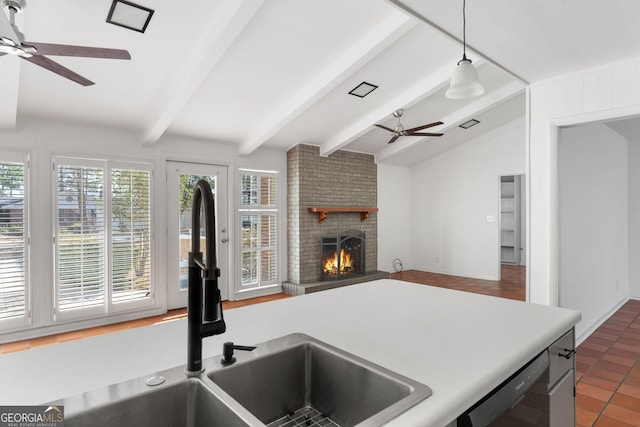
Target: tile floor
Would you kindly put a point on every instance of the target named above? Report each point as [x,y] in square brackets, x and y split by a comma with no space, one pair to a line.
[607,363]
[511,285]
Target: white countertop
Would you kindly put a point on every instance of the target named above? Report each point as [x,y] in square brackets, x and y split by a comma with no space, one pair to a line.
[460,344]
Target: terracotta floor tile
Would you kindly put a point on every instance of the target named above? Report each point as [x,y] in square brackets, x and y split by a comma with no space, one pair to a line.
[623,353]
[589,362]
[612,366]
[624,361]
[630,341]
[601,341]
[609,375]
[626,401]
[622,414]
[585,417]
[147,321]
[583,351]
[631,387]
[605,421]
[70,336]
[12,347]
[92,332]
[604,383]
[589,403]
[628,347]
[42,341]
[115,327]
[635,371]
[594,346]
[593,391]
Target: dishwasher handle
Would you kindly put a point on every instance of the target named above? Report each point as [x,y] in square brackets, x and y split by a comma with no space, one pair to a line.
[506,395]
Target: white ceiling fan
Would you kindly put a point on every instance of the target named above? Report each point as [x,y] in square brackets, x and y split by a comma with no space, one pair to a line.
[12,42]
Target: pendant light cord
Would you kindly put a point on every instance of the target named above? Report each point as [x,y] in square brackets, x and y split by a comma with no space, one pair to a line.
[464,31]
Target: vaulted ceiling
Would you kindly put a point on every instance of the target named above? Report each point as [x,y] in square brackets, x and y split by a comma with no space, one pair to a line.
[275,73]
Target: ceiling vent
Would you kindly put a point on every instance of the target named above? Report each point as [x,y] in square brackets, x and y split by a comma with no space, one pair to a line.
[363,89]
[129,15]
[470,123]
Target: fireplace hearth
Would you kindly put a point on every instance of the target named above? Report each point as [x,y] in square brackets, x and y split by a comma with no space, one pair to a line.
[343,256]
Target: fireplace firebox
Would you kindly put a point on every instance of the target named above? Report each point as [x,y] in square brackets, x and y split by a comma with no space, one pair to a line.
[344,255]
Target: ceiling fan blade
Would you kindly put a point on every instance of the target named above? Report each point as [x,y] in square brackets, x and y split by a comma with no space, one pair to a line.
[392,140]
[425,134]
[81,51]
[424,127]
[386,128]
[53,66]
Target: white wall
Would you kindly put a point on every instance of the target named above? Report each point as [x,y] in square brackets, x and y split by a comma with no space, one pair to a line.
[583,97]
[634,217]
[394,204]
[593,223]
[43,140]
[452,195]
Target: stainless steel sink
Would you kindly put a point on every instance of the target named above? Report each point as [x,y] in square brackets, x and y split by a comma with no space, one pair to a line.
[294,380]
[299,376]
[179,402]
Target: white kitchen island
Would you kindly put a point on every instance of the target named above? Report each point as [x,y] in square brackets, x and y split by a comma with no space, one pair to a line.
[461,345]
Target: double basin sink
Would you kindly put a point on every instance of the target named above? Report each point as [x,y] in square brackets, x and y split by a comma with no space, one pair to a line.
[294,380]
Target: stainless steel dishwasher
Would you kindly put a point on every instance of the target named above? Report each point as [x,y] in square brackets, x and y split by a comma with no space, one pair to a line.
[540,394]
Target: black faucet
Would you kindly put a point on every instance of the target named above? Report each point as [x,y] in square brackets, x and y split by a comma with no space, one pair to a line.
[203,320]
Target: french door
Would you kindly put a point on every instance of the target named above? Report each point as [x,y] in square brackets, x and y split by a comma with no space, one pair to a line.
[181,181]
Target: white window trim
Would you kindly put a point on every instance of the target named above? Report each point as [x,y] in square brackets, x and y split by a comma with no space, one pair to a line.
[259,287]
[25,320]
[109,307]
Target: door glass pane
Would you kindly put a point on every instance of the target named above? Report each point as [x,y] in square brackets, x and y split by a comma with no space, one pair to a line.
[249,246]
[187,185]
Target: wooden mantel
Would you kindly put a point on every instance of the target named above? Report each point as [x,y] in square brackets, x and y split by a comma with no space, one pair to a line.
[324,211]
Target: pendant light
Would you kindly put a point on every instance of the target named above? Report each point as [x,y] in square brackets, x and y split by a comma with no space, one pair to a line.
[464,81]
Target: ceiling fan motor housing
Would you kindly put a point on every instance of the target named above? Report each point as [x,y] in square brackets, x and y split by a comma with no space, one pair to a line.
[17,5]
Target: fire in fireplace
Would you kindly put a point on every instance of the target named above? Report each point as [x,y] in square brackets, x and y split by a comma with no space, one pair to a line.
[343,255]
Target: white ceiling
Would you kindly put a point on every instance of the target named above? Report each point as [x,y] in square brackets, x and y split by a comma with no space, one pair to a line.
[276,73]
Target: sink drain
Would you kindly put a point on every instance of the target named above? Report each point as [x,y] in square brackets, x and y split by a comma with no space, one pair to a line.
[304,417]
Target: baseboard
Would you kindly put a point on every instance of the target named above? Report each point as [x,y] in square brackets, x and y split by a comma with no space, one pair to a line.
[600,321]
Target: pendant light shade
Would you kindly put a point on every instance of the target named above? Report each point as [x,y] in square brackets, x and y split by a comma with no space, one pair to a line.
[464,81]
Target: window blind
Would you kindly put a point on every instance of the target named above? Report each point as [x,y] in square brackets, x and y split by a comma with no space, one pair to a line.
[258,219]
[80,255]
[130,235]
[103,236]
[12,240]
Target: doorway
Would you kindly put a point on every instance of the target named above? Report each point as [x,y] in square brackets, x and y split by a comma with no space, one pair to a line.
[512,220]
[597,211]
[181,180]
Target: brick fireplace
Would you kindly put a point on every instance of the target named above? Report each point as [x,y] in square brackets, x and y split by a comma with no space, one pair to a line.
[343,180]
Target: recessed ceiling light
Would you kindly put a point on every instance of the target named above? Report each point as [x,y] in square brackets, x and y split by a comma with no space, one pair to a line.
[470,123]
[129,15]
[363,89]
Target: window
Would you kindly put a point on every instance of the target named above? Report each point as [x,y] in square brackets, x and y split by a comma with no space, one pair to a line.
[103,236]
[259,229]
[13,240]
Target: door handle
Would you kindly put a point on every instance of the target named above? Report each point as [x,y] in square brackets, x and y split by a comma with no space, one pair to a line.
[225,240]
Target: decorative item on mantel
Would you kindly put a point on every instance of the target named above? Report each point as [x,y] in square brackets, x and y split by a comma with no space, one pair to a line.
[323,212]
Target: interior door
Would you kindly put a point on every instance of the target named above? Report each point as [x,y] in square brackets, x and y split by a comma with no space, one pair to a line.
[181,180]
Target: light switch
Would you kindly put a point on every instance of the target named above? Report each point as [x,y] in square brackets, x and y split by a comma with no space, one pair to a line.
[489,218]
